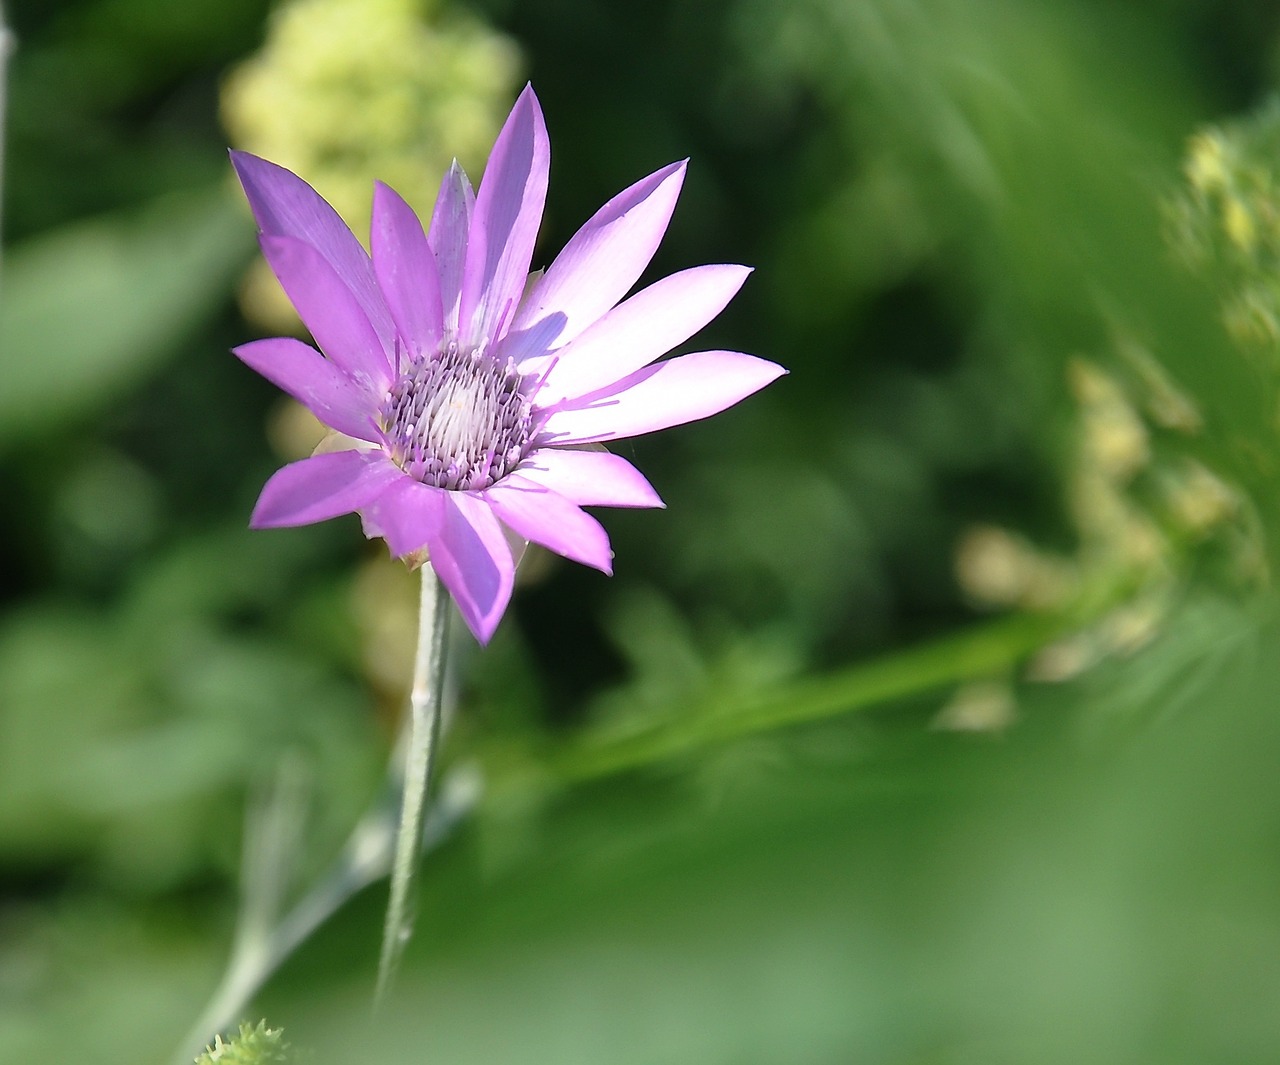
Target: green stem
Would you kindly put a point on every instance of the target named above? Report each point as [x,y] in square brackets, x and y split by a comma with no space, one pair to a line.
[982,651]
[263,943]
[424,733]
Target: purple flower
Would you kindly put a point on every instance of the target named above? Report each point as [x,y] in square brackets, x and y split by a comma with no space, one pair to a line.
[467,403]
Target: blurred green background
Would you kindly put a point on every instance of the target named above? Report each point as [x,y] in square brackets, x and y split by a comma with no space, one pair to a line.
[933,722]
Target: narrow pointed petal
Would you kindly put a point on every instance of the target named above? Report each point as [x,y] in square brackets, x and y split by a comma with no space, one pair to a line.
[408,515]
[315,382]
[471,557]
[590,478]
[505,222]
[406,270]
[642,329]
[599,264]
[329,310]
[668,393]
[447,236]
[548,518]
[323,487]
[286,206]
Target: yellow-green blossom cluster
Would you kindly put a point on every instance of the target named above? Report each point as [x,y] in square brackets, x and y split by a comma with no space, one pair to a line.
[345,91]
[1138,507]
[1140,502]
[1226,222]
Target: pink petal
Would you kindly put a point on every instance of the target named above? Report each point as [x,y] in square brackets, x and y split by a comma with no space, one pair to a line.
[450,226]
[406,270]
[286,206]
[642,329]
[667,393]
[407,515]
[473,561]
[505,223]
[315,382]
[590,478]
[323,487]
[599,264]
[548,518]
[329,310]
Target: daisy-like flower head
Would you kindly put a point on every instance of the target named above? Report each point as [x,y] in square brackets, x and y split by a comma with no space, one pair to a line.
[467,406]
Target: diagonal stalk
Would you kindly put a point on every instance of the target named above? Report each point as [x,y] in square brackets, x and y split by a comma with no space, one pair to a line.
[420,753]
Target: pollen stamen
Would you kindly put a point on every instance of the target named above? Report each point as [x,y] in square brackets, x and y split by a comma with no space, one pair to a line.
[458,419]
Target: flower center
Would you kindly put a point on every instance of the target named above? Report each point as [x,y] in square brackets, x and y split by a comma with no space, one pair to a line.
[457,420]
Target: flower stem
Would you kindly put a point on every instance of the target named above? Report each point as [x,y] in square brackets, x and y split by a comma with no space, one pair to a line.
[423,734]
[264,941]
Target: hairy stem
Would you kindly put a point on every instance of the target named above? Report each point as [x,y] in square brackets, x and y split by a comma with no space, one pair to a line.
[266,937]
[424,732]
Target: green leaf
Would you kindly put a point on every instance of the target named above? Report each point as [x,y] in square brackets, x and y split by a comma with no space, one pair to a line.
[87,311]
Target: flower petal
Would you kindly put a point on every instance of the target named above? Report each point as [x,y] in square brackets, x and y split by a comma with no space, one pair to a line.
[447,235]
[407,515]
[667,393]
[286,206]
[406,270]
[323,487]
[642,329]
[315,382]
[329,310]
[599,264]
[590,478]
[548,518]
[471,556]
[505,224]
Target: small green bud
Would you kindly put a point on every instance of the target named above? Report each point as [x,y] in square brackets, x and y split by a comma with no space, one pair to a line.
[252,1045]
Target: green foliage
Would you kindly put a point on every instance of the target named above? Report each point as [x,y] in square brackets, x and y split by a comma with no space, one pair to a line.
[131,735]
[783,789]
[89,311]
